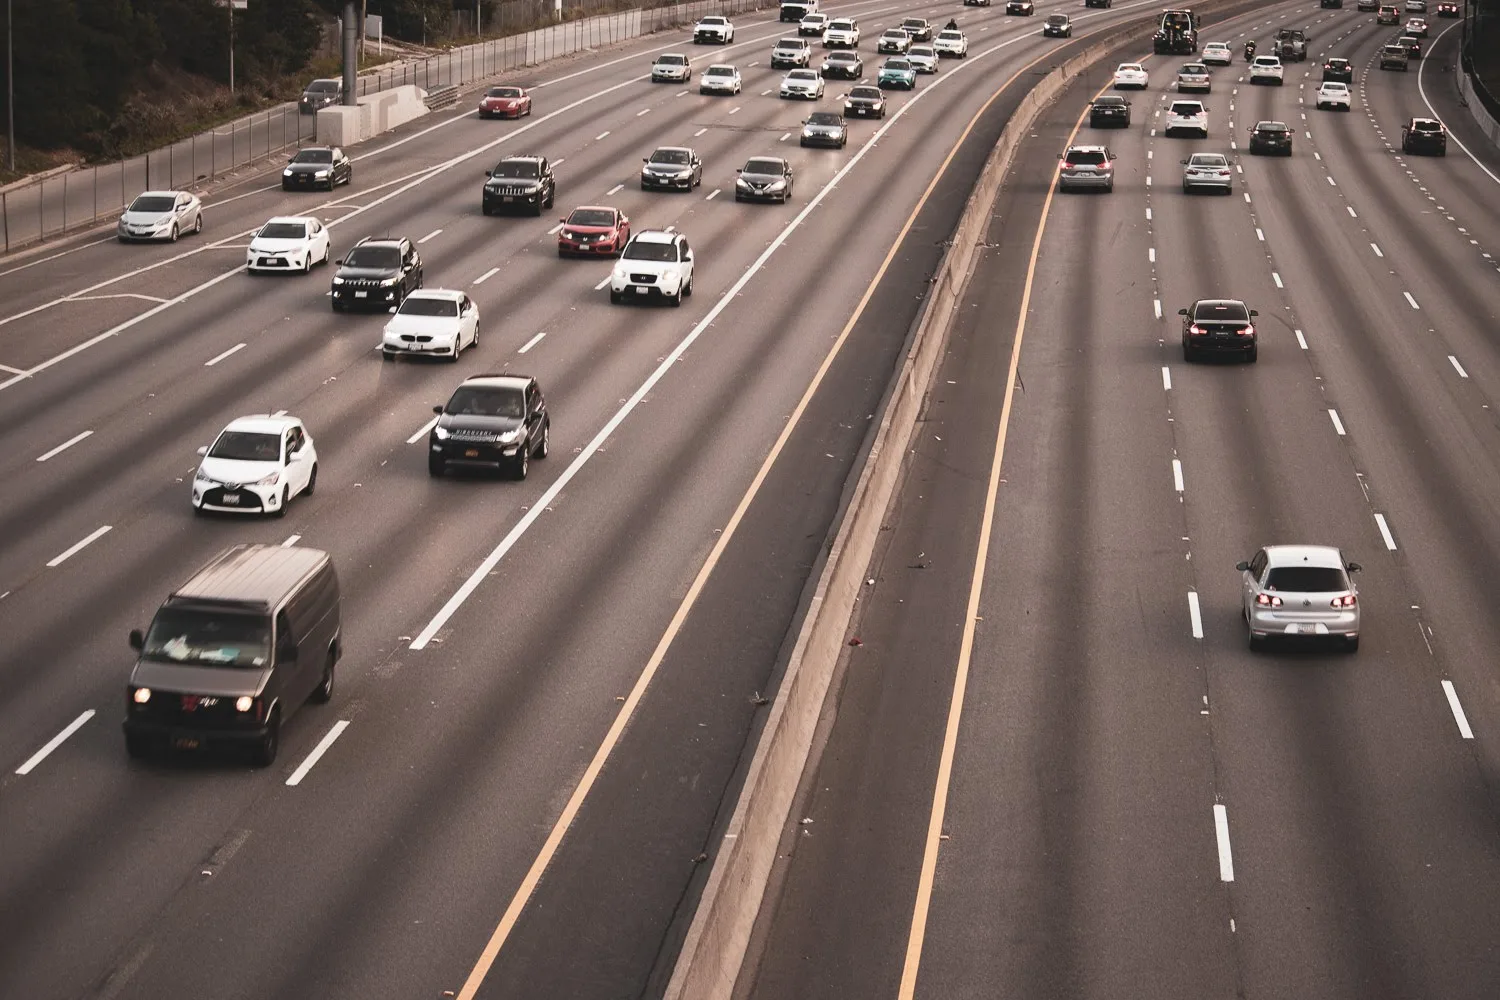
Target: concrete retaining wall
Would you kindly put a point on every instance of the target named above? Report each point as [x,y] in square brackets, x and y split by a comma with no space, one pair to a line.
[1486,122]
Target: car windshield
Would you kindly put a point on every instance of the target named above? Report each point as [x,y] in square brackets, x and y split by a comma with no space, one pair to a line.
[672,60]
[387,258]
[642,250]
[208,638]
[714,19]
[843,57]
[921,50]
[423,306]
[789,43]
[1091,156]
[1426,127]
[591,217]
[720,71]
[314,156]
[950,36]
[1194,68]
[868,93]
[1307,579]
[763,166]
[824,118]
[1221,312]
[895,33]
[673,156]
[283,231]
[914,22]
[1058,19]
[1336,88]
[323,87]
[516,168]
[487,401]
[841,26]
[247,446]
[516,91]
[802,74]
[153,203]
[897,64]
[1208,160]
[1338,63]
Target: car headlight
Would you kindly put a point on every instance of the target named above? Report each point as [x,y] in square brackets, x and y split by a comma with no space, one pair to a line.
[388,282]
[808,133]
[140,695]
[742,183]
[270,480]
[441,433]
[201,477]
[511,437]
[321,173]
[287,172]
[244,703]
[776,185]
[337,280]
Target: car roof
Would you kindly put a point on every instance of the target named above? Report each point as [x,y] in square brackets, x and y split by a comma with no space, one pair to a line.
[381,241]
[594,208]
[1217,303]
[1277,126]
[672,149]
[674,55]
[865,90]
[1087,149]
[513,157]
[654,236]
[1208,156]
[1304,555]
[262,423]
[160,194]
[843,54]
[290,219]
[806,73]
[1426,121]
[721,66]
[773,159]
[497,380]
[446,294]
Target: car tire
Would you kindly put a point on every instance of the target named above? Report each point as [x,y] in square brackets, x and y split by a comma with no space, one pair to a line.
[544,447]
[198,224]
[312,482]
[307,263]
[338,306]
[1351,644]
[323,693]
[522,464]
[137,747]
[173,237]
[1251,354]
[614,297]
[1255,643]
[688,291]
[676,300]
[1186,189]
[436,466]
[285,186]
[484,207]
[265,751]
[1188,354]
[286,498]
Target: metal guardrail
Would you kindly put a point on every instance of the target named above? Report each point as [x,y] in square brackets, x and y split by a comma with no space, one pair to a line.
[441,97]
[81,198]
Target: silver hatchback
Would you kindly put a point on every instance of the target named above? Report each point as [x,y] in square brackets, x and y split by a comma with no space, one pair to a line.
[1086,166]
[1296,591]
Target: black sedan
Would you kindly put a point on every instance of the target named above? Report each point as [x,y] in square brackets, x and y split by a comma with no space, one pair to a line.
[1218,326]
[1424,135]
[865,102]
[1338,70]
[1271,138]
[1109,111]
[1022,8]
[825,128]
[845,65]
[317,167]
[764,178]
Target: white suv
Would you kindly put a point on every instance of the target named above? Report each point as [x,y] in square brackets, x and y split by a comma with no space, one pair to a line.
[791,53]
[1266,69]
[655,265]
[715,28]
[841,34]
[1187,116]
[952,43]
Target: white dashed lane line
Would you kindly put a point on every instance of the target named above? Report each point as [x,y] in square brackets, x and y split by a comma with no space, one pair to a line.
[430,236]
[1385,532]
[532,342]
[1338,425]
[486,276]
[643,111]
[57,741]
[291,540]
[1221,834]
[1166,378]
[220,357]
[1458,711]
[79,546]
[699,132]
[317,753]
[1277,278]
[712,194]
[601,135]
[70,442]
[1451,360]
[426,429]
[1411,301]
[614,190]
[1376,248]
[1195,614]
[1177,483]
[602,285]
[555,229]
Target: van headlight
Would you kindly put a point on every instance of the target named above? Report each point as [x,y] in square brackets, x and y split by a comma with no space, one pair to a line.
[140,695]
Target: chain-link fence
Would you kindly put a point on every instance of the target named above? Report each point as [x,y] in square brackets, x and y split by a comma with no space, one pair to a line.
[80,198]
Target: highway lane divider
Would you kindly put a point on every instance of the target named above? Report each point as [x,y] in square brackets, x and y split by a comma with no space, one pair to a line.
[714,951]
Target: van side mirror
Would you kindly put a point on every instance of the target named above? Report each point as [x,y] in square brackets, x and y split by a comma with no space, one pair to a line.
[137,640]
[1242,566]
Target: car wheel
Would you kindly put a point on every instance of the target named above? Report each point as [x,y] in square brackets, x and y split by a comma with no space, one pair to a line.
[1351,644]
[1188,354]
[545,447]
[173,237]
[1255,642]
[387,356]
[136,746]
[285,186]
[457,347]
[614,297]
[312,482]
[338,306]
[307,263]
[522,464]
[265,750]
[198,223]
[1186,189]
[688,291]
[323,693]
[802,143]
[436,466]
[676,300]
[286,498]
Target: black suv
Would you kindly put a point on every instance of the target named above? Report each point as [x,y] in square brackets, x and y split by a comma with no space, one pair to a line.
[1218,326]
[317,166]
[377,274]
[491,422]
[1424,135]
[1109,110]
[519,182]
[1338,70]
[1271,137]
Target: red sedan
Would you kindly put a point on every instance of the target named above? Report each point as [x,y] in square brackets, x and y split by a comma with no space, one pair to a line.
[592,230]
[505,102]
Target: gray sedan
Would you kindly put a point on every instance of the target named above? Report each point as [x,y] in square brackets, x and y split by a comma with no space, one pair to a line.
[1300,590]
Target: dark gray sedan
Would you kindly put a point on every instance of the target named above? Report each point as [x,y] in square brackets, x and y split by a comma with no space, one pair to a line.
[764,178]
[825,128]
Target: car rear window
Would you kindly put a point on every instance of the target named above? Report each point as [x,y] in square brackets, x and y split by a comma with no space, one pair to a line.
[1223,312]
[1307,579]
[1427,127]
[1090,156]
[1187,108]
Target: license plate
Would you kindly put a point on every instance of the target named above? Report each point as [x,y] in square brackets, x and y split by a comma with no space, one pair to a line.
[185,743]
[361,295]
[471,453]
[641,290]
[231,498]
[508,198]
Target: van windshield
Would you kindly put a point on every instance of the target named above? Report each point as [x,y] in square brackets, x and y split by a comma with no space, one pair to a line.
[198,637]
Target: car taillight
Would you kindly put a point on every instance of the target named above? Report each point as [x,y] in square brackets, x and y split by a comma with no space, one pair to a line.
[1195,330]
[1268,600]
[1248,331]
[1347,601]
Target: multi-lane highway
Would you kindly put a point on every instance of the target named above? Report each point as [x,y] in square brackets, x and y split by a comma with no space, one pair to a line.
[547,686]
[1057,771]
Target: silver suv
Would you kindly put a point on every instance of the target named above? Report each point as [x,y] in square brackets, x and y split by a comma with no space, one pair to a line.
[793,53]
[1300,590]
[1086,166]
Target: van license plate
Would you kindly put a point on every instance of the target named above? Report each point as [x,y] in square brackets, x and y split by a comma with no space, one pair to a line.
[233,498]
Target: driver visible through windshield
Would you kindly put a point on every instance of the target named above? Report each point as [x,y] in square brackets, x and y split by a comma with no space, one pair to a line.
[207,638]
[247,446]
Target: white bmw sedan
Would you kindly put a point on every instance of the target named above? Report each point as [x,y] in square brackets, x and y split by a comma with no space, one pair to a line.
[288,243]
[434,322]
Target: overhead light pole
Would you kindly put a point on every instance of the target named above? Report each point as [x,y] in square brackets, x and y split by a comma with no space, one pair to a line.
[10,93]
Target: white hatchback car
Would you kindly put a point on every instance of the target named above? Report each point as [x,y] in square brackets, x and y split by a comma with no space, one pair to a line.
[719,79]
[431,321]
[288,243]
[1187,116]
[1300,590]
[1266,69]
[923,58]
[1333,94]
[1218,54]
[1131,75]
[1194,76]
[255,466]
[951,42]
[655,265]
[805,84]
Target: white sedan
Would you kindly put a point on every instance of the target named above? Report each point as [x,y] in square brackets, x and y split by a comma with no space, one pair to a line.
[1131,75]
[1218,54]
[288,243]
[432,322]
[1194,76]
[923,58]
[255,466]
[806,84]
[1266,69]
[160,215]
[719,79]
[951,43]
[1333,94]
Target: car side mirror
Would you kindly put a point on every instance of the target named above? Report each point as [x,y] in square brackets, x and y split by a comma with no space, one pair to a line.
[1182,161]
[1354,567]
[1242,566]
[438,409]
[489,173]
[339,262]
[1254,312]
[1182,312]
[688,256]
[137,640]
[392,310]
[645,159]
[563,219]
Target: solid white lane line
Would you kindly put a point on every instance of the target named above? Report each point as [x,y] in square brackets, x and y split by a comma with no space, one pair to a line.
[220,357]
[1385,532]
[1376,248]
[1221,834]
[76,547]
[1338,425]
[426,429]
[1166,378]
[601,135]
[13,371]
[532,342]
[486,276]
[122,295]
[1411,301]
[432,235]
[1177,474]
[1195,614]
[70,442]
[699,132]
[1277,278]
[614,190]
[603,284]
[1451,360]
[318,752]
[713,194]
[57,741]
[291,540]
[1301,340]
[1458,712]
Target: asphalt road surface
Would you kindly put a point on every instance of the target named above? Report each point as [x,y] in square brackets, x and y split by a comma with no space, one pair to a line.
[1095,790]
[402,822]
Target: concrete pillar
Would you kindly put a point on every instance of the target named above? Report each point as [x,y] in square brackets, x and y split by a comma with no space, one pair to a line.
[351,53]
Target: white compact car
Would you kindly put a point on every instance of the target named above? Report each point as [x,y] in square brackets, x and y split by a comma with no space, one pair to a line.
[255,466]
[713,29]
[923,58]
[1266,69]
[431,321]
[1186,116]
[1131,75]
[1218,54]
[1207,170]
[802,83]
[951,43]
[841,33]
[161,215]
[719,79]
[671,67]
[1333,94]
[288,243]
[894,40]
[1194,77]
[655,265]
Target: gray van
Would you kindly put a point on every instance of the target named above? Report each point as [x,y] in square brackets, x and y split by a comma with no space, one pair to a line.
[232,653]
